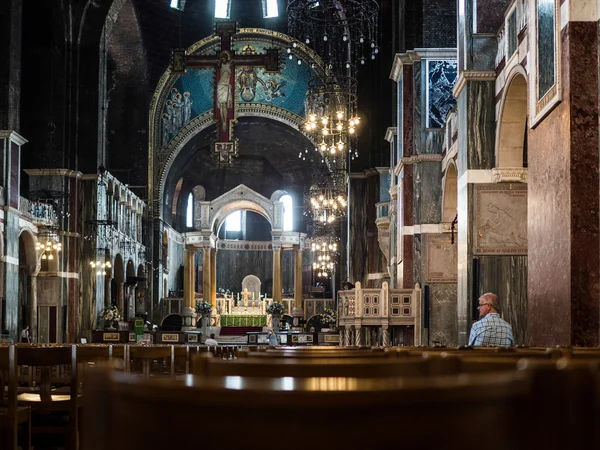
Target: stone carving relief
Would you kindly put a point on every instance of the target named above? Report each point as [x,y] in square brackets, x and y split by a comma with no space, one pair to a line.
[500,225]
[441,259]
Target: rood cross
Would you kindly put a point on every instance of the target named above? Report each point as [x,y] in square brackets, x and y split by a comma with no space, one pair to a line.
[224,62]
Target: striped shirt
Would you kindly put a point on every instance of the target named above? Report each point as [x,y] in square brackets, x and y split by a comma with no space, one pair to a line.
[491,331]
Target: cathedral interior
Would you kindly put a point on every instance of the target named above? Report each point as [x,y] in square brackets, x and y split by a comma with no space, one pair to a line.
[341,224]
[387,161]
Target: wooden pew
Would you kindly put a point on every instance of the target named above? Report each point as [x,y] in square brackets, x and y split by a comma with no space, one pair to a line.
[333,413]
[11,415]
[206,366]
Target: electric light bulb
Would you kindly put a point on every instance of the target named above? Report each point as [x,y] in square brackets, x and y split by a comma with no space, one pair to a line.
[325,37]
[44,256]
[339,127]
[340,146]
[295,45]
[351,130]
[307,41]
[325,131]
[340,115]
[299,62]
[291,57]
[50,256]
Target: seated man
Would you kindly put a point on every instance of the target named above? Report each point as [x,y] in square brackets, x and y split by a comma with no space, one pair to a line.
[490,330]
[211,341]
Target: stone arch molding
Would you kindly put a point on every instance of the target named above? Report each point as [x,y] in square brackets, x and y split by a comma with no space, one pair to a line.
[252,283]
[213,213]
[162,158]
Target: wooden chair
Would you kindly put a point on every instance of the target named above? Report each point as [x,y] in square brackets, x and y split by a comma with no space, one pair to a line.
[54,412]
[333,413]
[11,415]
[147,354]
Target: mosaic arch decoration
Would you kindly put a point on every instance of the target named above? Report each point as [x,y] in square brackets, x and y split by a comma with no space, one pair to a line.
[182,105]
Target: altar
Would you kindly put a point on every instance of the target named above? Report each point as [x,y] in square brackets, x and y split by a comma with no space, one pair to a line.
[243,320]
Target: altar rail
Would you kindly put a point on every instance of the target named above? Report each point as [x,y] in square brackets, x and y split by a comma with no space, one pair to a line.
[380,307]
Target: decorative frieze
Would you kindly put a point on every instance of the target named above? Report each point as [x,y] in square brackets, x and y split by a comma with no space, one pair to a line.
[509,175]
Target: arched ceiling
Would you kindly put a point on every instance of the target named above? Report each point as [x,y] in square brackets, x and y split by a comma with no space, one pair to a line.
[268,160]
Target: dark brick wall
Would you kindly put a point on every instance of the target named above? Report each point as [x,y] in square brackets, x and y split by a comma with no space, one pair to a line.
[128,101]
[439,23]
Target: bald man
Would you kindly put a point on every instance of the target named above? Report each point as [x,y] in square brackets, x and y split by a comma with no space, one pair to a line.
[490,330]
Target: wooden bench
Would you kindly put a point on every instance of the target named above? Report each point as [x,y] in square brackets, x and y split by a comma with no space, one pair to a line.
[333,413]
[146,354]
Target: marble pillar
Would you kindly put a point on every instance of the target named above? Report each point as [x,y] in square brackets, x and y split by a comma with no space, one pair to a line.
[213,278]
[385,336]
[563,204]
[188,277]
[476,131]
[206,278]
[33,319]
[121,297]
[342,337]
[348,336]
[277,274]
[298,277]
[357,336]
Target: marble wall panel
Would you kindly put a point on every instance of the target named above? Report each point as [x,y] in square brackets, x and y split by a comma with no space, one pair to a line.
[430,207]
[442,314]
[418,247]
[419,105]
[484,52]
[441,77]
[506,276]
[408,112]
[490,15]
[480,124]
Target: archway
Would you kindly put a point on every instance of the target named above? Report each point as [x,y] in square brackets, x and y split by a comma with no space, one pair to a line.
[450,194]
[505,272]
[130,291]
[511,148]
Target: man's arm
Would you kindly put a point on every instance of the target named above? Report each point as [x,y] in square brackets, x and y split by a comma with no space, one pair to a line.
[474,333]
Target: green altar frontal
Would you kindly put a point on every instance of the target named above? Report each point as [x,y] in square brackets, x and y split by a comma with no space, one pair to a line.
[243,320]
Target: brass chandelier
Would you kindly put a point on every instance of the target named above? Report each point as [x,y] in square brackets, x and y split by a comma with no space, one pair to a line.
[324,255]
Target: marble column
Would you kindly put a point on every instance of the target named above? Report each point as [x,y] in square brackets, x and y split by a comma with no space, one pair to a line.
[385,336]
[357,336]
[348,336]
[121,297]
[213,278]
[206,278]
[298,277]
[342,337]
[107,279]
[33,320]
[276,274]
[188,277]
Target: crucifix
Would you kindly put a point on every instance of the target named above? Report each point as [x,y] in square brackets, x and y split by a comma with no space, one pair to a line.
[224,62]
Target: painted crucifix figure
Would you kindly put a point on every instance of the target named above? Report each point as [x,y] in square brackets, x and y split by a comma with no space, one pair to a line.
[224,63]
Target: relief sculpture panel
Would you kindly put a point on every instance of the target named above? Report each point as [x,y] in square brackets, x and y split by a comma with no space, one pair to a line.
[441,257]
[500,225]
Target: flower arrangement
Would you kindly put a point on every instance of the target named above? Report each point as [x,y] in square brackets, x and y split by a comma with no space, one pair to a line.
[275,308]
[110,313]
[329,316]
[203,308]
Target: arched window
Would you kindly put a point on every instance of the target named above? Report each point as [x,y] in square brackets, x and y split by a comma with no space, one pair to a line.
[189,217]
[233,222]
[288,212]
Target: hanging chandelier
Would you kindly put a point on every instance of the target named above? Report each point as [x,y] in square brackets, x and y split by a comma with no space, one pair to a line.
[327,205]
[100,267]
[342,32]
[331,117]
[324,254]
[47,244]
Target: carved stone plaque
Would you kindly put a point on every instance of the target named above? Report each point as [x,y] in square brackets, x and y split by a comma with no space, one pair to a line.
[500,220]
[441,260]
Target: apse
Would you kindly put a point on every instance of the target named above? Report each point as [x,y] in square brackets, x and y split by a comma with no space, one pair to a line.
[268,161]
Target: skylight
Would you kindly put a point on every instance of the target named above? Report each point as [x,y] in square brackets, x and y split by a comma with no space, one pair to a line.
[233,222]
[222,9]
[178,4]
[270,9]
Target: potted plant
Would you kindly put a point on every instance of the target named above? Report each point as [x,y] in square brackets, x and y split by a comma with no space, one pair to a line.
[110,316]
[203,310]
[276,310]
[329,318]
